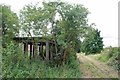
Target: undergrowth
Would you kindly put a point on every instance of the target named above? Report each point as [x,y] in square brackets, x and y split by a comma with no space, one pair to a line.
[16,65]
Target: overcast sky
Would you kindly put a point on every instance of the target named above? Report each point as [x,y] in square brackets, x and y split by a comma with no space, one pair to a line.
[104,13]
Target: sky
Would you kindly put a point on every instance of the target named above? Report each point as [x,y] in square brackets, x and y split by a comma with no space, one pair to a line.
[104,13]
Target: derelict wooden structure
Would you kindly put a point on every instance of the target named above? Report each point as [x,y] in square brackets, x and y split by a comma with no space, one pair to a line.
[37,43]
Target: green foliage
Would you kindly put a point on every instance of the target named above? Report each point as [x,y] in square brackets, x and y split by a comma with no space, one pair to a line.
[9,24]
[92,43]
[66,31]
[77,45]
[15,64]
[69,27]
[31,19]
[73,60]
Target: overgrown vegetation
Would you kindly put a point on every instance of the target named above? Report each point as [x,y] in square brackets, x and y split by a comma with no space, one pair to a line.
[16,65]
[66,32]
[110,56]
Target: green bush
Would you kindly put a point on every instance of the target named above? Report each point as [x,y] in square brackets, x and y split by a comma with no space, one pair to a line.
[113,61]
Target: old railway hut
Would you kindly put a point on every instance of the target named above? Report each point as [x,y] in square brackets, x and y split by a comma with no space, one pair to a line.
[38,47]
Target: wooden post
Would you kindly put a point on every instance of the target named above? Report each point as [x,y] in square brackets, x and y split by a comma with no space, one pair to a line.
[30,50]
[25,48]
[51,49]
[41,50]
[47,50]
[34,50]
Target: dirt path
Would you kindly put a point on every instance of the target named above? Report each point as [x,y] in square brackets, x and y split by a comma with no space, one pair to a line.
[91,68]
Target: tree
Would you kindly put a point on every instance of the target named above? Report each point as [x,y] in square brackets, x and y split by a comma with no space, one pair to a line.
[9,24]
[31,20]
[93,42]
[74,19]
[65,31]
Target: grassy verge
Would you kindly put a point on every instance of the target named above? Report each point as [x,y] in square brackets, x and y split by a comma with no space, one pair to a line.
[110,56]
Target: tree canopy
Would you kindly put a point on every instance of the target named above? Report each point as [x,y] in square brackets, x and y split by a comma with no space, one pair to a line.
[10,26]
[93,42]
